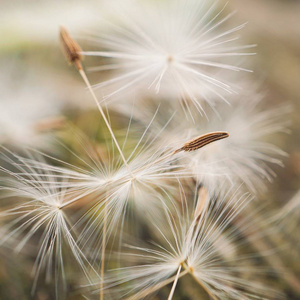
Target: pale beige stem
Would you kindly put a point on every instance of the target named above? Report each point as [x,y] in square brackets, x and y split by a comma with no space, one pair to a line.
[174,283]
[87,82]
[103,252]
[72,53]
[156,287]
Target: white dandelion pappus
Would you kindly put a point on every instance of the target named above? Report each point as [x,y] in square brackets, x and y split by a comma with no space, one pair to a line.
[112,188]
[36,215]
[175,49]
[190,244]
[109,188]
[247,155]
[107,183]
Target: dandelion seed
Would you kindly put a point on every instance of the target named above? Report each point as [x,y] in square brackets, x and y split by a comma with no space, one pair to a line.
[109,184]
[71,48]
[155,173]
[71,52]
[202,141]
[193,246]
[247,156]
[175,49]
[37,201]
[180,188]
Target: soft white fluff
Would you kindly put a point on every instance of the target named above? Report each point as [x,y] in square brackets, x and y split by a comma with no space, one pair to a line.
[179,50]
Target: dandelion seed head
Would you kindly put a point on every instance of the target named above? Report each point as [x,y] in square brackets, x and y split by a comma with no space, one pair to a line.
[174,50]
[194,245]
[38,198]
[247,155]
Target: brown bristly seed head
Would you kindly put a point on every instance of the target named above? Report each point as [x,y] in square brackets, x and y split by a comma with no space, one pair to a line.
[202,141]
[70,48]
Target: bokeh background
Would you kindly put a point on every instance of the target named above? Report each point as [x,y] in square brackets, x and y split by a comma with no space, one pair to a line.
[38,89]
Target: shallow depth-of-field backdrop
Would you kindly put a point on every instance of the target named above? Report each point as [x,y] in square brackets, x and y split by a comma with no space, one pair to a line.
[39,90]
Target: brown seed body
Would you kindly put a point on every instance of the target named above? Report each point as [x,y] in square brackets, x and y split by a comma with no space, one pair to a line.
[202,141]
[70,48]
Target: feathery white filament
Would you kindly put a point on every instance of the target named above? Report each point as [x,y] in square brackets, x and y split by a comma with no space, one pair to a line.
[176,49]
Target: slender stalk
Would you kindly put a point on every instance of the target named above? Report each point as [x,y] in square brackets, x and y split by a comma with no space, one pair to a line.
[103,252]
[174,283]
[156,287]
[87,82]
[72,53]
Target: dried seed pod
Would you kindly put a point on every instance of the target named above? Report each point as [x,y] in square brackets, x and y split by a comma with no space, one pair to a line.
[202,141]
[70,48]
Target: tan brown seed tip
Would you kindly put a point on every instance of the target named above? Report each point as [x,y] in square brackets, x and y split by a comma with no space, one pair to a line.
[70,48]
[202,141]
